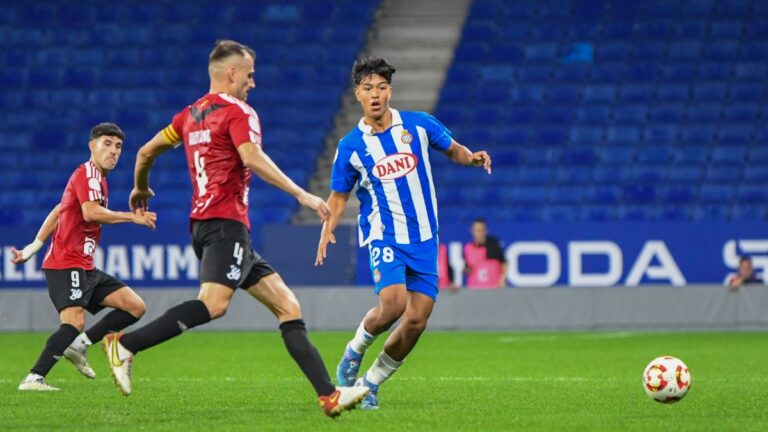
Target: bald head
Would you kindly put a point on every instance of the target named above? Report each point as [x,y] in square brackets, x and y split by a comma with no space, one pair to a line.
[231,67]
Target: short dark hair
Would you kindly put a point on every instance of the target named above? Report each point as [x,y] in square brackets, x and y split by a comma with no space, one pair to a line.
[226,48]
[745,258]
[106,129]
[480,220]
[372,66]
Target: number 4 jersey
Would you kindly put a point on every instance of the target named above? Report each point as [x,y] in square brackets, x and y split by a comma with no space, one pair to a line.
[212,129]
[75,240]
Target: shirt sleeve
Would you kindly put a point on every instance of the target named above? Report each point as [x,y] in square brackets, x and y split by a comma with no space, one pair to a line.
[172,132]
[245,127]
[493,250]
[343,174]
[86,189]
[440,137]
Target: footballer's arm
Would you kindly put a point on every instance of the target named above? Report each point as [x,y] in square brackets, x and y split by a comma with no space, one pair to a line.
[260,163]
[145,158]
[93,212]
[337,202]
[464,156]
[46,229]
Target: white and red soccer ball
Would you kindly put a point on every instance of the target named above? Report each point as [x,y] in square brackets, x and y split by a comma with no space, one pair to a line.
[666,379]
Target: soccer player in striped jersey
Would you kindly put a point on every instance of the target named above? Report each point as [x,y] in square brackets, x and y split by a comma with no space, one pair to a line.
[221,135]
[74,284]
[387,156]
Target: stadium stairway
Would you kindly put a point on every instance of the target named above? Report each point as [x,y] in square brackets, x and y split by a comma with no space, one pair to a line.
[419,38]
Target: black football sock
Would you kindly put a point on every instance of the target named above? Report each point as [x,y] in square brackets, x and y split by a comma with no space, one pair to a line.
[306,356]
[54,348]
[172,323]
[112,322]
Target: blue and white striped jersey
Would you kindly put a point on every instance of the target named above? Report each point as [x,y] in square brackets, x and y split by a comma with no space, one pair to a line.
[394,177]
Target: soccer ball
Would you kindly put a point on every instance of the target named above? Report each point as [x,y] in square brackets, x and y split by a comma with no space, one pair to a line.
[666,379]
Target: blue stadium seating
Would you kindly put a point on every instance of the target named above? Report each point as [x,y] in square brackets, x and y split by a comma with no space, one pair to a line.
[657,114]
[72,65]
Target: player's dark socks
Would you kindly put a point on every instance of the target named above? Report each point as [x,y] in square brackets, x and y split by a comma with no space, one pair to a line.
[112,322]
[172,323]
[306,355]
[54,348]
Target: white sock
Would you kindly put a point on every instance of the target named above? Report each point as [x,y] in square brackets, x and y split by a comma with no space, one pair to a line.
[382,369]
[362,340]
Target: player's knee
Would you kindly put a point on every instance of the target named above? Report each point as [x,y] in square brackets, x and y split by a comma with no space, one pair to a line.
[217,308]
[393,308]
[290,310]
[415,324]
[76,321]
[137,307]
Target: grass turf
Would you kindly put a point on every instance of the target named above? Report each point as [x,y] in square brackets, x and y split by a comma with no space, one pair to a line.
[452,381]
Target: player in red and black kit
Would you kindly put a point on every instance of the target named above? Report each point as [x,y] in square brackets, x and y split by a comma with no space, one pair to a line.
[221,134]
[74,284]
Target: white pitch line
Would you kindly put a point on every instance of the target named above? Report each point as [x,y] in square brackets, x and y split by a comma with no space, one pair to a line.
[550,338]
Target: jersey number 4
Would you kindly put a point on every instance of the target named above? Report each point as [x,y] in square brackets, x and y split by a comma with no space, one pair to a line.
[200,175]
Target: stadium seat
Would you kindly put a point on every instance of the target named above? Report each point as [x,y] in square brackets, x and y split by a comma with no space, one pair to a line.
[612,154]
[679,194]
[566,194]
[674,213]
[717,193]
[685,174]
[647,174]
[756,212]
[630,114]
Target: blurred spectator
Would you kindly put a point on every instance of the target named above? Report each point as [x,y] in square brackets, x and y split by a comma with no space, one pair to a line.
[486,266]
[745,275]
[444,270]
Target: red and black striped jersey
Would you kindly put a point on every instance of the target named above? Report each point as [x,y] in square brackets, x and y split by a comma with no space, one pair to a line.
[75,240]
[212,129]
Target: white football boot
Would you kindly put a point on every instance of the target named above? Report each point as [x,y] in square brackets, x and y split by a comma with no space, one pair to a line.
[342,399]
[77,353]
[120,361]
[35,382]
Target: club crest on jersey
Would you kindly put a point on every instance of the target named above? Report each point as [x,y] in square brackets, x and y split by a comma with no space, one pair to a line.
[376,275]
[234,273]
[395,166]
[406,137]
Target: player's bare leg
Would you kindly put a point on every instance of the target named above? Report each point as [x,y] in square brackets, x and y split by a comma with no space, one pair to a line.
[128,308]
[216,298]
[413,323]
[72,322]
[397,346]
[393,300]
[281,301]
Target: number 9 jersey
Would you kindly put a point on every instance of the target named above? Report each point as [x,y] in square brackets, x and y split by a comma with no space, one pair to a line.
[212,129]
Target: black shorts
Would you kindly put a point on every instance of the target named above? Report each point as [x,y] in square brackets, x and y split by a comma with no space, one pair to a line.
[78,287]
[224,248]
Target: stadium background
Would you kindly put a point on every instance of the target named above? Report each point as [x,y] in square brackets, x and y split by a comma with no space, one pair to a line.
[629,140]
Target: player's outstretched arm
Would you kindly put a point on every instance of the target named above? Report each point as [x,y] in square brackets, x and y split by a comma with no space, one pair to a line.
[145,158]
[336,202]
[95,213]
[46,229]
[260,163]
[464,156]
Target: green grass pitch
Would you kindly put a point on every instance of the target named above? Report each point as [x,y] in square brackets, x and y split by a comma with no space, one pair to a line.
[452,381]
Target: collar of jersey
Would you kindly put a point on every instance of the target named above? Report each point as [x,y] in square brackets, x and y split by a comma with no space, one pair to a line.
[368,130]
